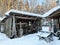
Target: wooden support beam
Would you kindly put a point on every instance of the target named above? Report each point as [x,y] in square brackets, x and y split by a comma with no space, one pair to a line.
[28,18]
[14,27]
[2,23]
[56,14]
[21,23]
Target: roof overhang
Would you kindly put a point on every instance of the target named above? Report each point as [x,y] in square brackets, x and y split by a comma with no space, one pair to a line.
[2,18]
[8,13]
[52,12]
[55,14]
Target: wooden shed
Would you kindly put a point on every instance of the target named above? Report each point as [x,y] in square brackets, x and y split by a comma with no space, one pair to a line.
[55,15]
[18,23]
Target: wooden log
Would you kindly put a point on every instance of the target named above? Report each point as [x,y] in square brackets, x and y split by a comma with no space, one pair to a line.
[21,23]
[14,28]
[10,28]
[7,27]
[29,18]
[54,15]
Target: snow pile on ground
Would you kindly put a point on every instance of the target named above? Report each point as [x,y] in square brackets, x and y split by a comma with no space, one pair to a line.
[55,41]
[3,37]
[25,40]
[31,39]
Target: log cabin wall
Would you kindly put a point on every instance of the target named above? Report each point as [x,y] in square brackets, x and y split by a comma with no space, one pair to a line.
[28,24]
[14,25]
[7,26]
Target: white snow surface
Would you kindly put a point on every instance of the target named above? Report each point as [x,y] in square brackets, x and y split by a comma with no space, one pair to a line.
[32,14]
[45,28]
[31,39]
[44,32]
[3,37]
[51,11]
[1,18]
[22,12]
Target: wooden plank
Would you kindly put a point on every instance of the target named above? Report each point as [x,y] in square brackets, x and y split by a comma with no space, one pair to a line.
[29,18]
[2,23]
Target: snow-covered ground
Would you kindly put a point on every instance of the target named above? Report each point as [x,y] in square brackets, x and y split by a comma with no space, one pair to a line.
[31,39]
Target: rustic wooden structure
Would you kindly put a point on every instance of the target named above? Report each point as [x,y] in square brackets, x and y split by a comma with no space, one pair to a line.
[55,15]
[2,20]
[17,24]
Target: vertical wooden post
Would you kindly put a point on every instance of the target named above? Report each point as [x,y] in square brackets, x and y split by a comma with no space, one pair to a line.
[59,22]
[14,28]
[10,23]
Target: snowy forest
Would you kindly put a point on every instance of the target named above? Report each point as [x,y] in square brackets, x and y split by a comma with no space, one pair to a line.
[33,6]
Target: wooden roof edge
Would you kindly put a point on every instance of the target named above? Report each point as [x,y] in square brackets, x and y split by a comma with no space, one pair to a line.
[22,12]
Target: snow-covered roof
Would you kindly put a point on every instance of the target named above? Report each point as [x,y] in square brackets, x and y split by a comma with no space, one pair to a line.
[32,14]
[22,12]
[1,18]
[51,11]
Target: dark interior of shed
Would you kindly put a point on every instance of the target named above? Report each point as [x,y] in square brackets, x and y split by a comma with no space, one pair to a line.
[28,26]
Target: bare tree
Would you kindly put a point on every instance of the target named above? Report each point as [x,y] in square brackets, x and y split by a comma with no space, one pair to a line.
[38,8]
[47,5]
[21,5]
[27,7]
[33,4]
[53,3]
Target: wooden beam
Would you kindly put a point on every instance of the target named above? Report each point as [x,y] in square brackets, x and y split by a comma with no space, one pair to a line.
[14,27]
[54,14]
[28,18]
[2,23]
[21,23]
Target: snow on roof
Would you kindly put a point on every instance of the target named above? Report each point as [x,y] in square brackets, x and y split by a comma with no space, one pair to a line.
[51,11]
[32,14]
[1,18]
[22,12]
